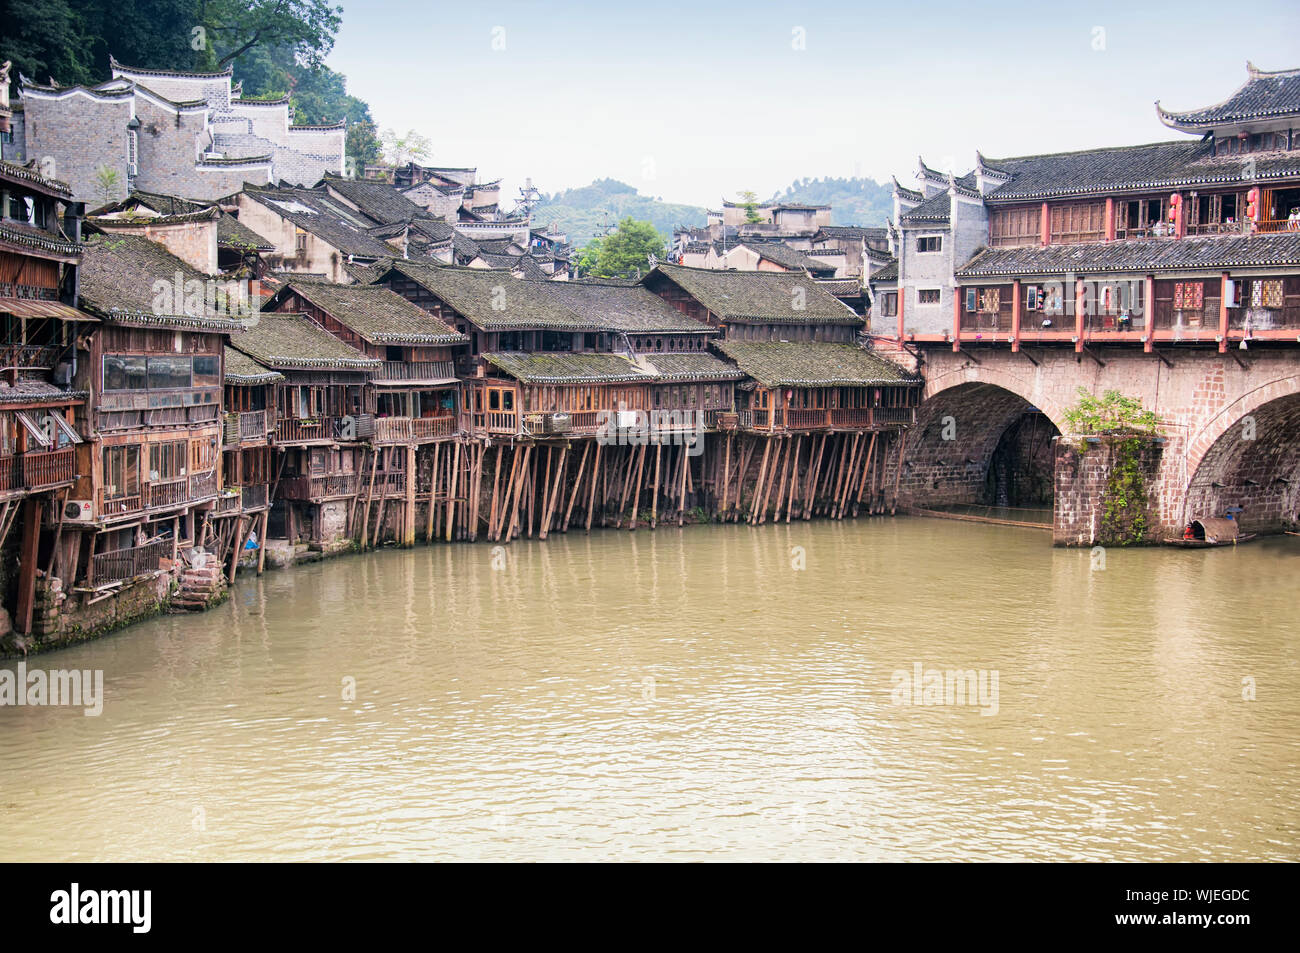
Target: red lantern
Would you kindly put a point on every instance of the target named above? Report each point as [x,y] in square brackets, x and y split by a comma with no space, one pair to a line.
[1175,199]
[1252,205]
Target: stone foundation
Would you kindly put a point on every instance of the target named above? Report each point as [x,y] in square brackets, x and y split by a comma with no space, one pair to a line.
[1086,510]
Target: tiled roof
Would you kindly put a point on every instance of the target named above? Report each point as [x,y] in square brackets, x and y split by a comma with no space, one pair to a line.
[547,367]
[295,342]
[811,364]
[242,369]
[117,277]
[616,306]
[1254,251]
[937,208]
[379,200]
[687,366]
[785,256]
[842,287]
[494,299]
[21,174]
[852,231]
[378,314]
[232,233]
[328,219]
[762,297]
[29,236]
[1263,95]
[1157,165]
[888,273]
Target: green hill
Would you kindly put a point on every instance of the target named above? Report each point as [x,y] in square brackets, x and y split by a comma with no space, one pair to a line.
[852,201]
[581,212]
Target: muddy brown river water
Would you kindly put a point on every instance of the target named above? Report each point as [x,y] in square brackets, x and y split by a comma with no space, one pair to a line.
[701,693]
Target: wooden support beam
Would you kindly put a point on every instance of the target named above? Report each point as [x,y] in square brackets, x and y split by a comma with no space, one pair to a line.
[595,482]
[577,484]
[451,490]
[654,489]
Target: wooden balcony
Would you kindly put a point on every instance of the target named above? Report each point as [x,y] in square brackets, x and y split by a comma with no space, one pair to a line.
[122,564]
[415,371]
[37,470]
[830,418]
[329,486]
[413,429]
[23,357]
[493,421]
[174,493]
[304,430]
[247,428]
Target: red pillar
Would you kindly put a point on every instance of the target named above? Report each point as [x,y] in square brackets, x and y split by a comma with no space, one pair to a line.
[1078,315]
[1015,315]
[1045,226]
[1110,219]
[1223,312]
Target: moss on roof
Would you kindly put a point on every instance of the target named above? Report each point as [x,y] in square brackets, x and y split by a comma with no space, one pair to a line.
[129,278]
[232,233]
[812,364]
[759,297]
[701,366]
[377,313]
[295,342]
[493,299]
[242,369]
[548,367]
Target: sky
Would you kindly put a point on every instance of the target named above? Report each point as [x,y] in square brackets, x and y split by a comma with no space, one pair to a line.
[694,101]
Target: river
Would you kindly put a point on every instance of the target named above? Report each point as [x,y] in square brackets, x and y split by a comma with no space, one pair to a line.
[725,692]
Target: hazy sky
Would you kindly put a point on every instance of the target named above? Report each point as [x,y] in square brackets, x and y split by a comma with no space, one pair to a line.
[693,101]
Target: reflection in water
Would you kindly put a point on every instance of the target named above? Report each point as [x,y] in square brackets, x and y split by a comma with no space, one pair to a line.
[688,694]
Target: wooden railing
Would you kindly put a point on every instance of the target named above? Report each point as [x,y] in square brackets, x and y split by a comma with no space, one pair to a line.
[203,485]
[48,467]
[254,496]
[122,564]
[306,429]
[415,371]
[118,505]
[1277,225]
[247,426]
[27,356]
[893,416]
[11,474]
[407,429]
[852,417]
[324,487]
[167,494]
[496,421]
[228,503]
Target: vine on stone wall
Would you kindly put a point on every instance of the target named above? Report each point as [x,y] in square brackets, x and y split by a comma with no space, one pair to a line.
[1125,500]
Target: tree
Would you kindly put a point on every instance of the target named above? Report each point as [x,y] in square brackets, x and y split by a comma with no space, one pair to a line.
[1113,413]
[749,202]
[106,180]
[234,28]
[399,150]
[626,252]
[363,146]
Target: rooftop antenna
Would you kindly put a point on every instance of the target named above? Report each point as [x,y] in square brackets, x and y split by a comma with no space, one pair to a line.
[528,198]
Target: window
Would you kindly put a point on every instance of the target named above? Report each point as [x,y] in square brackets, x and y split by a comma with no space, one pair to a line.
[929,243]
[166,460]
[970,299]
[121,472]
[1078,222]
[991,300]
[299,240]
[928,296]
[123,372]
[1032,301]
[132,152]
[1015,226]
[168,372]
[889,304]
[203,453]
[207,371]
[1189,295]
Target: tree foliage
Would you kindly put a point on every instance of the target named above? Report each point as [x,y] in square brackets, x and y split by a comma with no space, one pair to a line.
[749,202]
[625,253]
[1112,413]
[399,150]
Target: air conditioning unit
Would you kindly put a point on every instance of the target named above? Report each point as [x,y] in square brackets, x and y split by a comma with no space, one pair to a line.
[78,511]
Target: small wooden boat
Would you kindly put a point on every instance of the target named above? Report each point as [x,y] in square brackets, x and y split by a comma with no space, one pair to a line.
[1207,531]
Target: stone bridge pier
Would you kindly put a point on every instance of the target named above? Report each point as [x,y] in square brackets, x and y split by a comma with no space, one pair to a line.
[989,428]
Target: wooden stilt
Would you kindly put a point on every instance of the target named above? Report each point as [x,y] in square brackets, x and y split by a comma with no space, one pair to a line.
[261,540]
[555,494]
[654,490]
[636,493]
[577,485]
[595,482]
[370,493]
[451,490]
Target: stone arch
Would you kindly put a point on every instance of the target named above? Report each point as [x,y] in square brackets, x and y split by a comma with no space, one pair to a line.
[979,431]
[1248,455]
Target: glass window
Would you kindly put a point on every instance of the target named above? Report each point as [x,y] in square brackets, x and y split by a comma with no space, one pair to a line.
[207,371]
[169,372]
[124,372]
